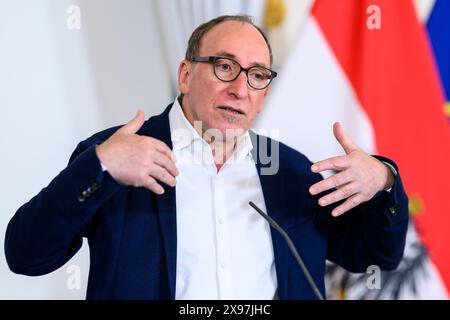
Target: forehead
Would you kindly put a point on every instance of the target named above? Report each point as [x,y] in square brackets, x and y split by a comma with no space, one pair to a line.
[238,38]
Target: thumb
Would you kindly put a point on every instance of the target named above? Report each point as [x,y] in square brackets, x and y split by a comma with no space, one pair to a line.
[134,124]
[346,143]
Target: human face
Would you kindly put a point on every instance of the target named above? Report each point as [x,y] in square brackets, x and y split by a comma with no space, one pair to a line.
[210,100]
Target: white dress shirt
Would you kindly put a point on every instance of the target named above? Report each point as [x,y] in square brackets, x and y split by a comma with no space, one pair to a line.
[224,248]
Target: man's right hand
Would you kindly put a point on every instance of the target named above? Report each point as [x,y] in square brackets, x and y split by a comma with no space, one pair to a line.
[135,160]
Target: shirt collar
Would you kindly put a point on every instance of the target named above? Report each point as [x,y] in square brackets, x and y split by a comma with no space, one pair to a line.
[183,133]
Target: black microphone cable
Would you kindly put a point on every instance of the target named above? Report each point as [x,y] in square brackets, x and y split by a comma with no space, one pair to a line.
[291,246]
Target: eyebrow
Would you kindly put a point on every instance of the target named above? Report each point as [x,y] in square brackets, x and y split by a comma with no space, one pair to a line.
[233,56]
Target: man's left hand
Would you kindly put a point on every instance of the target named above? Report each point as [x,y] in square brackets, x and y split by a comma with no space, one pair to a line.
[358,176]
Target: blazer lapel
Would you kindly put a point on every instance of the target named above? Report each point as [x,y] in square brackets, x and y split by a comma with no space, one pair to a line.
[158,128]
[273,192]
[274,198]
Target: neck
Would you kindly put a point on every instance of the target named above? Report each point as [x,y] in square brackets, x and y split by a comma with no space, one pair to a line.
[221,150]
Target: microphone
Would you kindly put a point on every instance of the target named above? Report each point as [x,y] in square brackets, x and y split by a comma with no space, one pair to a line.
[291,246]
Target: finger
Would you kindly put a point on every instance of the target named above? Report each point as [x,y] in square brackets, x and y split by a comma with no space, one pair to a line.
[331,182]
[164,161]
[349,204]
[335,163]
[152,185]
[134,124]
[161,174]
[161,147]
[343,139]
[343,192]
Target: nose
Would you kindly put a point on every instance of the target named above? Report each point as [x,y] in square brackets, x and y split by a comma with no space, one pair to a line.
[239,87]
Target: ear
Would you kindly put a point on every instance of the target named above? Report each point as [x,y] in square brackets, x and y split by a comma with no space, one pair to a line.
[184,71]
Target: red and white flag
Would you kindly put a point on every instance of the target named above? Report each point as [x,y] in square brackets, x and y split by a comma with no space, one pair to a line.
[368,64]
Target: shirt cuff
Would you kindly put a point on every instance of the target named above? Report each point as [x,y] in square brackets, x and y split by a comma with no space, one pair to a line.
[390,166]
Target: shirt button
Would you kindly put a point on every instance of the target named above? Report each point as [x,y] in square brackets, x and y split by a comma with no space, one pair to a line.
[220,221]
[223,265]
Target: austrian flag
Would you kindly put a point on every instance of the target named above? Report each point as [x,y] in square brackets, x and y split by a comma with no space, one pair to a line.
[370,65]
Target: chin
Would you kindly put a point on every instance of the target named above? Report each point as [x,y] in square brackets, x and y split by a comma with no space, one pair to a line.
[228,130]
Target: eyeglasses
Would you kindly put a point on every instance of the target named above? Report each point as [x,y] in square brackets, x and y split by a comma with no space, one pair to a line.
[227,70]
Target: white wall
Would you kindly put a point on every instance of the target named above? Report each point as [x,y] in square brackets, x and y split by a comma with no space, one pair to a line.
[57,87]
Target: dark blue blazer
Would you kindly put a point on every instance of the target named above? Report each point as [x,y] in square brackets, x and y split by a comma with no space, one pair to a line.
[132,232]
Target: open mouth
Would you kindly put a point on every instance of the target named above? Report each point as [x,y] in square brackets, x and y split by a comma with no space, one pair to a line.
[232,110]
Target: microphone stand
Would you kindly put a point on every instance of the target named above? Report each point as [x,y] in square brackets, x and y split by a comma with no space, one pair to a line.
[291,246]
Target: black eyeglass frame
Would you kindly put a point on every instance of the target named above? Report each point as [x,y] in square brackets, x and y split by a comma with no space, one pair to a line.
[213,59]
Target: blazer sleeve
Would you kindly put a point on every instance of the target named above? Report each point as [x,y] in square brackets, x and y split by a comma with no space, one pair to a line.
[47,231]
[374,233]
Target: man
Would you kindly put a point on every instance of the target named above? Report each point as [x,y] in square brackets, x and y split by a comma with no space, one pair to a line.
[164,202]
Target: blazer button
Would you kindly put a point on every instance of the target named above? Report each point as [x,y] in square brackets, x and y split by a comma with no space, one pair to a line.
[94,187]
[88,192]
[392,210]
